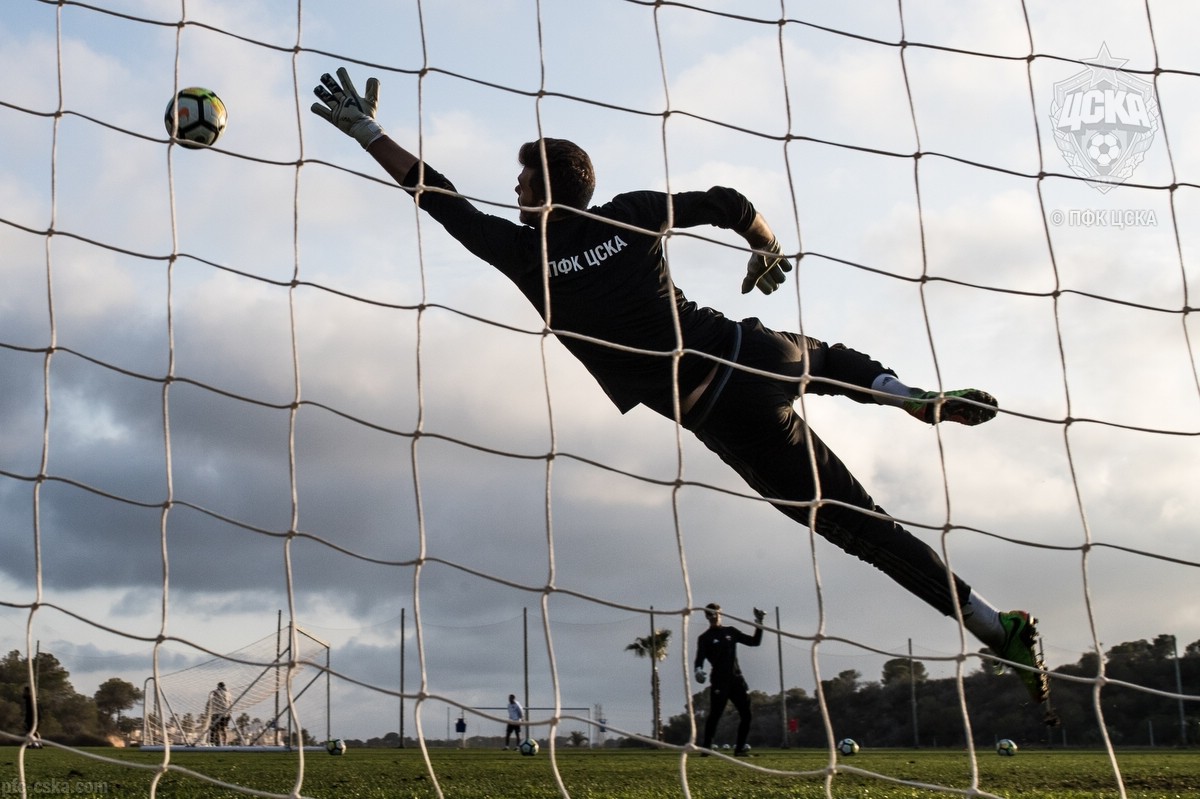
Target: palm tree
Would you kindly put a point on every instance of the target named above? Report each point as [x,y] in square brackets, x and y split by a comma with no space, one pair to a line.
[654,647]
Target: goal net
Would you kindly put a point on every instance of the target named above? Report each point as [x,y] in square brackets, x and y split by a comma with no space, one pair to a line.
[255,376]
[185,708]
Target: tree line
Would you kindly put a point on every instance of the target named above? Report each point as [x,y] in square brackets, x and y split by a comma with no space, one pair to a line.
[67,717]
[905,708]
[64,715]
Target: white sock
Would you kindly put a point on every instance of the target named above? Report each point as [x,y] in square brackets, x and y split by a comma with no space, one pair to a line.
[894,392]
[982,620]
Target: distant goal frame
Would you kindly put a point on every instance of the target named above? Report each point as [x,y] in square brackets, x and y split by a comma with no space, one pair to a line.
[163,725]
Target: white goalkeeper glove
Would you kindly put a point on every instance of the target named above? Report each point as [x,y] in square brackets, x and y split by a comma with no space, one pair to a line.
[344,107]
[701,676]
[766,271]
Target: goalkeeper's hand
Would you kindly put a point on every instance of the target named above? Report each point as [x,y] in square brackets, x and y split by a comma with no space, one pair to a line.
[344,107]
[766,271]
[701,676]
[759,615]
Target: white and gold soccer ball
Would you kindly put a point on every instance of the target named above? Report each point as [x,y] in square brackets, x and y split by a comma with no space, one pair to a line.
[848,746]
[201,116]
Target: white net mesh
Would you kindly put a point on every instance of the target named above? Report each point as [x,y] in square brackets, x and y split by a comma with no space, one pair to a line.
[254,377]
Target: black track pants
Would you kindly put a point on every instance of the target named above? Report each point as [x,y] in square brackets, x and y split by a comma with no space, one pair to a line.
[753,427]
[732,690]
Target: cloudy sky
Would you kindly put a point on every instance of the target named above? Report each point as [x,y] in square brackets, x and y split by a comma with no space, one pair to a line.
[192,298]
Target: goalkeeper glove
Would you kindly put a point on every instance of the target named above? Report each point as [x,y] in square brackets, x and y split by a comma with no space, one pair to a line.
[700,676]
[766,271]
[344,107]
[759,615]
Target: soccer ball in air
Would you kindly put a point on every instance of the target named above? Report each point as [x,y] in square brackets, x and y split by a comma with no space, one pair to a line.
[335,746]
[1104,148]
[202,117]
[1006,747]
[528,747]
[848,746]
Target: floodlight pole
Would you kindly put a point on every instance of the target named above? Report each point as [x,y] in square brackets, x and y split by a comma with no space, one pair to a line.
[278,655]
[783,719]
[525,636]
[912,688]
[1179,690]
[402,678]
[328,698]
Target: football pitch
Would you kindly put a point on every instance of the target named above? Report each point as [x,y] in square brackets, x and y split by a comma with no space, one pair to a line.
[620,774]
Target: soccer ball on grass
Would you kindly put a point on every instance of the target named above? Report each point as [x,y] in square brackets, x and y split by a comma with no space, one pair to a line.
[1006,747]
[202,117]
[528,747]
[848,746]
[335,746]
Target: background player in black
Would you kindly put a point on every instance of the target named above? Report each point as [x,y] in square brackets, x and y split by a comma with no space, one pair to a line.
[603,276]
[718,645]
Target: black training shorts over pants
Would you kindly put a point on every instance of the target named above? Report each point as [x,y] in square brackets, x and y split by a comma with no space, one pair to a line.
[754,428]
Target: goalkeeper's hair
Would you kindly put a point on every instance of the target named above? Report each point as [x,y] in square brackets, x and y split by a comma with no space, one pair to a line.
[572,179]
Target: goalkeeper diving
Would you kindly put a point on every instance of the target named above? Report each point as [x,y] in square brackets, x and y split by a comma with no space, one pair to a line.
[603,277]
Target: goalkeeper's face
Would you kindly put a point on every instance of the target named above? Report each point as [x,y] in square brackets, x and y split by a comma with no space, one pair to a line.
[529,196]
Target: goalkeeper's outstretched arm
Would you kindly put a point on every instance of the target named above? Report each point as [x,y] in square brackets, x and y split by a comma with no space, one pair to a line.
[394,159]
[354,114]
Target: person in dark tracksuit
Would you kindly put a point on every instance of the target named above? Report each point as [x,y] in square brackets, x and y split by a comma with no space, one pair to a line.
[718,645]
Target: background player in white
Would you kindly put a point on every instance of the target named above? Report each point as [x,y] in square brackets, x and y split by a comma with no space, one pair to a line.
[516,714]
[220,705]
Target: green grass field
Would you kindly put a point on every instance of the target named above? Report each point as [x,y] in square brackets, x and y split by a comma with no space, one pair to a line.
[615,774]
